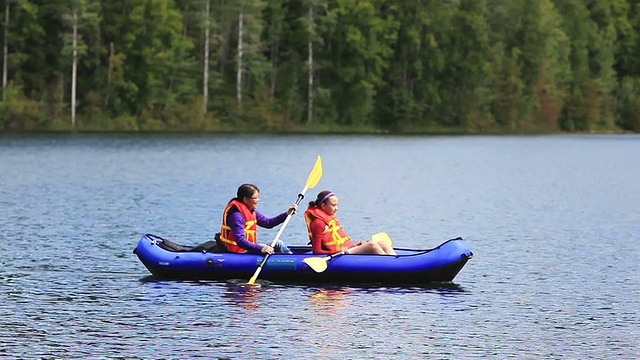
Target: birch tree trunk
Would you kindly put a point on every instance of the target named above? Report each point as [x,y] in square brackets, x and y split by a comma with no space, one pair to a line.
[310,96]
[5,55]
[74,69]
[205,76]
[240,50]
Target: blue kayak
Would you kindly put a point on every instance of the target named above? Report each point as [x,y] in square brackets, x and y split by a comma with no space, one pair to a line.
[168,260]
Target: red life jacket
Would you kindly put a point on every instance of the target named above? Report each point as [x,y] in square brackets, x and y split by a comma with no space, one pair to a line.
[334,236]
[250,227]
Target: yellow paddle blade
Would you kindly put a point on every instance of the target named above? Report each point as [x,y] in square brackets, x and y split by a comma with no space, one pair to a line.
[315,174]
[381,236]
[253,278]
[318,264]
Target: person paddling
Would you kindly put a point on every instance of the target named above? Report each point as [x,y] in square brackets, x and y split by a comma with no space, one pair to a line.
[241,219]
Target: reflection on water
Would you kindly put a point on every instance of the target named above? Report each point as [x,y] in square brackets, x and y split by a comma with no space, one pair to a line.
[440,288]
[243,294]
[329,301]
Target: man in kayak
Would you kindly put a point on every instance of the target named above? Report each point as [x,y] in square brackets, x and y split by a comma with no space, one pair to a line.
[240,222]
[329,237]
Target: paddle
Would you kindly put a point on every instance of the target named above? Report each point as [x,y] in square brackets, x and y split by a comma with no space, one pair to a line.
[312,181]
[381,236]
[320,264]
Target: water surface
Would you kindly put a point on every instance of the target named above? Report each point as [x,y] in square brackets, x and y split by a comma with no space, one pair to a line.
[552,221]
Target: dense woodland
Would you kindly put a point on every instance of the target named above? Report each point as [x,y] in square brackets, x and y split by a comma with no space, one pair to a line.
[321,65]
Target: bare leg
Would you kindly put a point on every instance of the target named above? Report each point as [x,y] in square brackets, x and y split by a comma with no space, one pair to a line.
[367,248]
[386,246]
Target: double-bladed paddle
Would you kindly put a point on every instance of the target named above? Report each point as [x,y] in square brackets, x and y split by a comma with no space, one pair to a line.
[312,181]
[320,264]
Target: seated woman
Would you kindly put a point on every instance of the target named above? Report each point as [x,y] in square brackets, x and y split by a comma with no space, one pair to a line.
[240,223]
[327,235]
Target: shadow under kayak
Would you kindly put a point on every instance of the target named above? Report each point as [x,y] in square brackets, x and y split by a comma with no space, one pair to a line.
[168,260]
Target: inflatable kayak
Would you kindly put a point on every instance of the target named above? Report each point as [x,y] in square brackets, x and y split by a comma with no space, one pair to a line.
[168,260]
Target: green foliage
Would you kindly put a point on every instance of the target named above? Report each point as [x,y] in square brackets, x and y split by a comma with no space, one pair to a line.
[629,104]
[363,41]
[17,112]
[467,68]
[400,66]
[27,45]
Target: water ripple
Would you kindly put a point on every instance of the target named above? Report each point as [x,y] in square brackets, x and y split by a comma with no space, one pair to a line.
[552,222]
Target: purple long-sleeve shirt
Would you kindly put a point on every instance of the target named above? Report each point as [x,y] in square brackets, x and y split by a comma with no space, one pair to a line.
[236,222]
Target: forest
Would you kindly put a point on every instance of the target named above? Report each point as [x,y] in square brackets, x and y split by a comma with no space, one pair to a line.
[403,66]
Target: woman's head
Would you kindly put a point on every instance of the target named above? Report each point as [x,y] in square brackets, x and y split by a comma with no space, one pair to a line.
[249,194]
[326,201]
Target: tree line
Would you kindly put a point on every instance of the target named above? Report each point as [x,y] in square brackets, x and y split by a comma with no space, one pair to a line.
[403,65]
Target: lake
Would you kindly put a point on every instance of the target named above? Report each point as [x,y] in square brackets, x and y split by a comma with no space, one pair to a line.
[553,221]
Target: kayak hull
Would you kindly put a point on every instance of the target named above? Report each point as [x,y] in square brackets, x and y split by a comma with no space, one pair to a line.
[409,267]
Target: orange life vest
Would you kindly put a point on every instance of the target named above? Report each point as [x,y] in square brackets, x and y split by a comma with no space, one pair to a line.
[250,227]
[333,236]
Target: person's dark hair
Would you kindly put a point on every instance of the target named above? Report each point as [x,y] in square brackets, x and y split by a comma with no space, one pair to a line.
[322,198]
[246,190]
